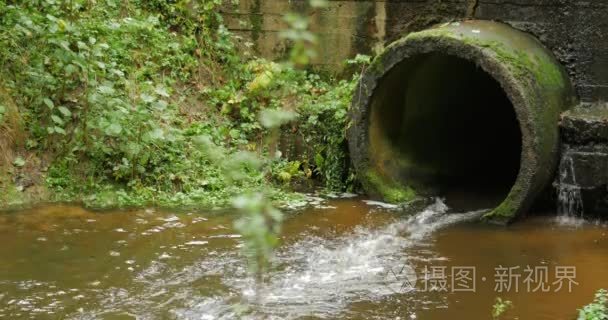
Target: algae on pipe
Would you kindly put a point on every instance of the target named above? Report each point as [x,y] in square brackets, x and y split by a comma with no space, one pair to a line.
[404,101]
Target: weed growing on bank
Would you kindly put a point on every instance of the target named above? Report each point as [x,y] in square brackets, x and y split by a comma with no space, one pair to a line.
[106,103]
[596,310]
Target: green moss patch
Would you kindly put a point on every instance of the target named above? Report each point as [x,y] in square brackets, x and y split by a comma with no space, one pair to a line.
[389,190]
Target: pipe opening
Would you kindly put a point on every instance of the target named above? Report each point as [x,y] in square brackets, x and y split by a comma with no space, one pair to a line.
[446,127]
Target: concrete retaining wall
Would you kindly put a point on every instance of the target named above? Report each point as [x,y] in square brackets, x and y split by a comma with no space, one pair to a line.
[575,30]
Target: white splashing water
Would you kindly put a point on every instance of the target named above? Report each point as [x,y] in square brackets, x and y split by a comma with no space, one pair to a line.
[570,202]
[316,277]
[321,277]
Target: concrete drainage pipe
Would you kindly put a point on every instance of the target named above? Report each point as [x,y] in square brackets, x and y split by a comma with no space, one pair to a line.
[466,110]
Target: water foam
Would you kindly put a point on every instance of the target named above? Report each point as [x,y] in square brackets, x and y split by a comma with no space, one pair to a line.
[314,277]
[321,277]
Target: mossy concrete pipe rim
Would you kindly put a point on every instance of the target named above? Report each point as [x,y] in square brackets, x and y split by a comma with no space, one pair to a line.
[533,80]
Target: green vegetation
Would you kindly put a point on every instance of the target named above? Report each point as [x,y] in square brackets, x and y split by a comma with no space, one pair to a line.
[120,103]
[500,307]
[389,190]
[136,103]
[598,309]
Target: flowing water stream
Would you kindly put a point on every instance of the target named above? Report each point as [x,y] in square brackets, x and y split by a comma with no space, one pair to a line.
[569,201]
[341,259]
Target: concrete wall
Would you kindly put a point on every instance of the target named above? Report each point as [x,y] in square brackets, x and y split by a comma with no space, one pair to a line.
[583,174]
[575,30]
[344,28]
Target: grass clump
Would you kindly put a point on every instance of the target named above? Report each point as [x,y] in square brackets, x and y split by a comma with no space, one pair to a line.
[110,100]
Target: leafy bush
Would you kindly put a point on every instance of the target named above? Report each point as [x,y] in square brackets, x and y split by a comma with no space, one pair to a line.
[500,307]
[598,309]
[114,96]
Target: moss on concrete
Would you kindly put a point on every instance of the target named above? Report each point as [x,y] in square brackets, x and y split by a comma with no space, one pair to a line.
[504,213]
[540,64]
[387,189]
[535,82]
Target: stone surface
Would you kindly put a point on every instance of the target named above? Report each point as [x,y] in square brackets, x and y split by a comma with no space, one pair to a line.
[343,28]
[588,166]
[584,131]
[585,124]
[585,167]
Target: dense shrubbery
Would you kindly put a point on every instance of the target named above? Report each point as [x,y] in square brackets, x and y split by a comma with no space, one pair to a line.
[110,100]
[598,309]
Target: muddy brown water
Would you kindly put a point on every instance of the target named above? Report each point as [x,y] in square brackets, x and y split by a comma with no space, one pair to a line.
[341,259]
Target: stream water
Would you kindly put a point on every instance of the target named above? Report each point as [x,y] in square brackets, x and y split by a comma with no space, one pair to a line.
[341,259]
[570,201]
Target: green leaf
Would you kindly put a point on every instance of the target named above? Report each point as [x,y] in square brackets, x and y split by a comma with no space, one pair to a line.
[319,160]
[261,82]
[57,120]
[234,133]
[161,91]
[31,144]
[160,104]
[49,103]
[19,162]
[65,111]
[270,118]
[133,148]
[106,90]
[113,129]
[59,130]
[147,98]
[117,72]
[82,46]
[156,134]
[360,59]
[284,176]
[65,45]
[70,69]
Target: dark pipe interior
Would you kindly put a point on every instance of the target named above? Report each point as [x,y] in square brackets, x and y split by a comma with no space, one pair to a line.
[455,126]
